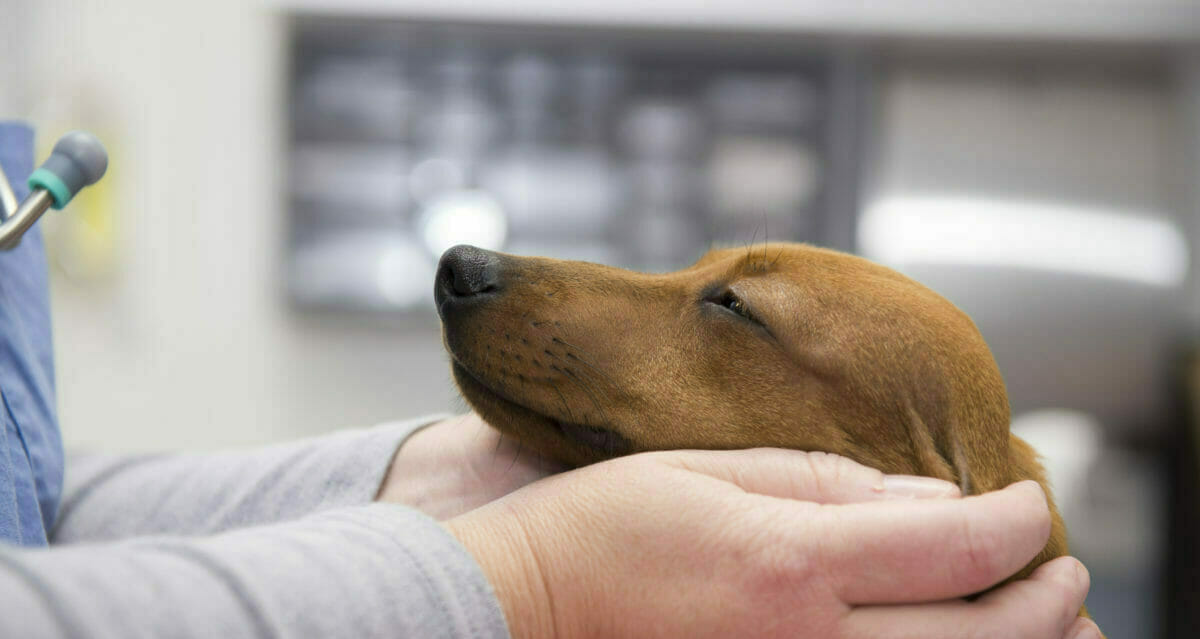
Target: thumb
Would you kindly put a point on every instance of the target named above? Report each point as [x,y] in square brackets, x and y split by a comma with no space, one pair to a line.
[823,478]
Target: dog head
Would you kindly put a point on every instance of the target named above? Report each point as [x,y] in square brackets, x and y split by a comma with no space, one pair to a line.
[782,345]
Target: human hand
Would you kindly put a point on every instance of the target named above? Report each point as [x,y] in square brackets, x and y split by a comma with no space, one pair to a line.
[458,464]
[769,543]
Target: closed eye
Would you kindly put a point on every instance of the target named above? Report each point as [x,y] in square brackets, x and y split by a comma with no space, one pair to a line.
[728,300]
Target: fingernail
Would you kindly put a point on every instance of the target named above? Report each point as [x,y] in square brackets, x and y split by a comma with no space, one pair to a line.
[912,487]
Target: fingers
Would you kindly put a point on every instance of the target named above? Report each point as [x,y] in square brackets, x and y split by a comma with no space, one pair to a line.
[1044,606]
[890,552]
[930,549]
[1052,596]
[816,477]
[1083,629]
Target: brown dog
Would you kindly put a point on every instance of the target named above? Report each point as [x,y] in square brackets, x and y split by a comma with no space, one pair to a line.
[782,345]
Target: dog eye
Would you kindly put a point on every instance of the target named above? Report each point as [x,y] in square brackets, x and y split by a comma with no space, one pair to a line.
[735,304]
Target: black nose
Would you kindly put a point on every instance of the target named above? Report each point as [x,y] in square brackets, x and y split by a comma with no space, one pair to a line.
[466,273]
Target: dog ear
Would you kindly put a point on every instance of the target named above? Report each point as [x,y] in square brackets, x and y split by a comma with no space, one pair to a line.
[971,451]
[978,436]
[937,452]
[962,466]
[957,421]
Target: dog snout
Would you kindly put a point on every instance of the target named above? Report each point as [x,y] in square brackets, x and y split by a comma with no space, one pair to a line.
[466,274]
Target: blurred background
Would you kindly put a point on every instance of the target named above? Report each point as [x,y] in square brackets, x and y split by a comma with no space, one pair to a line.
[258,264]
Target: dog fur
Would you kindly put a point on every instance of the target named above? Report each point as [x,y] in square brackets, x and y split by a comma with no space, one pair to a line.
[782,345]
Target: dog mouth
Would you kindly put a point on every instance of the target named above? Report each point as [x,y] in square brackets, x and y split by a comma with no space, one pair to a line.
[605,441]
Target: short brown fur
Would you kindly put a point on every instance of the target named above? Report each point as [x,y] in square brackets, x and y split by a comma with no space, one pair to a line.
[850,358]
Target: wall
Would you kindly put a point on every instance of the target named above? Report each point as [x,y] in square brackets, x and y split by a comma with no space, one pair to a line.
[1092,137]
[189,342]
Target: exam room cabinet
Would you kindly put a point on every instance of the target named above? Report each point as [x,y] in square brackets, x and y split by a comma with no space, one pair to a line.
[634,150]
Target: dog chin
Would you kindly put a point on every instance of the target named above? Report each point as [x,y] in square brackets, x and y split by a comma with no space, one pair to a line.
[577,444]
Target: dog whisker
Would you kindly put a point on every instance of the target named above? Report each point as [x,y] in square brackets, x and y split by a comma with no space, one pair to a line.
[766,240]
[566,406]
[777,256]
[520,447]
[750,244]
[479,430]
[588,390]
[570,373]
[584,361]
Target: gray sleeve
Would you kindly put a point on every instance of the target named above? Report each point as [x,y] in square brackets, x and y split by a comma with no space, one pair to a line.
[370,571]
[109,497]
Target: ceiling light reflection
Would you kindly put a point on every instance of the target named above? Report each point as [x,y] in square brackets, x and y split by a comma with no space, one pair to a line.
[463,217]
[904,231]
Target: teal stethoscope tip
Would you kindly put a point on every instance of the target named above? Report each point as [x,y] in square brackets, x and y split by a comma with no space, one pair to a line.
[77,160]
[43,179]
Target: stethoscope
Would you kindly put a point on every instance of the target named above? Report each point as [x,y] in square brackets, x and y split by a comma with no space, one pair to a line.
[78,160]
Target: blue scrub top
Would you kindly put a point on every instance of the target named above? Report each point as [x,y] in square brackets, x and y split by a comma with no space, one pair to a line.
[31,456]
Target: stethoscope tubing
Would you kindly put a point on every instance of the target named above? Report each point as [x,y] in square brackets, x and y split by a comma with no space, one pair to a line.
[8,199]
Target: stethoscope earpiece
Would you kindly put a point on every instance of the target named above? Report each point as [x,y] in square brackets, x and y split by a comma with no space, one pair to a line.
[77,160]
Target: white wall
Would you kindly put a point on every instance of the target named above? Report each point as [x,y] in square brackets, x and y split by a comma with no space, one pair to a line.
[1088,138]
[190,343]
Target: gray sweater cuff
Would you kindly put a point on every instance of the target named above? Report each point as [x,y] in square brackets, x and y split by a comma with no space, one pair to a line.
[111,497]
[372,571]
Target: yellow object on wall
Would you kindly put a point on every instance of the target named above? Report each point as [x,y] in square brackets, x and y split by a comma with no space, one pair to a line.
[81,239]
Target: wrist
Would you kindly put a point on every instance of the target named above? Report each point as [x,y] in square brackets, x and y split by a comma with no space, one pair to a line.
[457,465]
[507,558]
[420,474]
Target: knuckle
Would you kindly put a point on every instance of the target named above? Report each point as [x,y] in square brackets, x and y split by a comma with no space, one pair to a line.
[813,475]
[981,555]
[827,464]
[775,567]
[774,570]
[826,471]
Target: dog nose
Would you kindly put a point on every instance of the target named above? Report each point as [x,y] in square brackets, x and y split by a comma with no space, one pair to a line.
[466,272]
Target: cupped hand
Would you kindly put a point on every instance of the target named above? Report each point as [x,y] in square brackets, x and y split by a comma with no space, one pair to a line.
[458,464]
[769,543]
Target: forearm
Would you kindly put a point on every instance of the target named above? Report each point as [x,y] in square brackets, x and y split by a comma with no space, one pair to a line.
[111,497]
[373,571]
